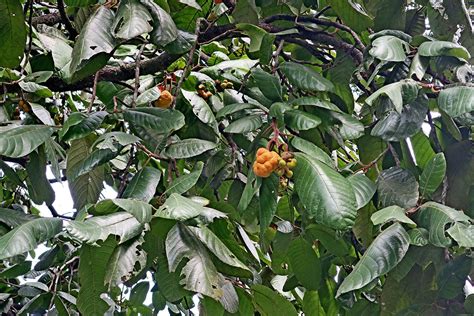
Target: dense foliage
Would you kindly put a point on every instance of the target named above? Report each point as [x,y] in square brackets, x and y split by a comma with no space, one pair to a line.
[269,156]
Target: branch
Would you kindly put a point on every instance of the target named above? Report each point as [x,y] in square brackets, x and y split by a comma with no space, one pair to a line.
[62,12]
[48,19]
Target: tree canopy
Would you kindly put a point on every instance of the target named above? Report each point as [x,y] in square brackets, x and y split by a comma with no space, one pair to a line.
[276,157]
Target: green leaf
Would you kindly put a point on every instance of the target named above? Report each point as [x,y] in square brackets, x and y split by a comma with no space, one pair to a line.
[312,304]
[351,127]
[452,278]
[187,148]
[79,125]
[94,44]
[10,173]
[14,218]
[143,184]
[395,126]
[326,195]
[245,12]
[268,198]
[79,3]
[364,189]
[268,84]
[418,237]
[435,217]
[352,14]
[329,238]
[185,182]
[96,158]
[141,210]
[400,93]
[27,236]
[138,293]
[397,186]
[463,234]
[300,120]
[86,188]
[13,34]
[163,121]
[93,266]
[200,274]
[164,29]
[39,90]
[305,263]
[314,101]
[269,303]
[19,141]
[385,252]
[311,150]
[121,224]
[132,20]
[217,247]
[305,78]
[39,188]
[201,109]
[422,149]
[389,48]
[232,108]
[245,124]
[456,101]
[60,51]
[442,48]
[147,96]
[179,208]
[42,114]
[433,175]
[391,213]
[122,263]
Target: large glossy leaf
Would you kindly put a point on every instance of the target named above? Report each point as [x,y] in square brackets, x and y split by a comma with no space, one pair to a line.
[39,188]
[300,120]
[351,127]
[463,234]
[268,198]
[79,125]
[352,13]
[245,124]
[13,34]
[179,208]
[143,184]
[397,186]
[94,44]
[389,48]
[164,29]
[432,175]
[391,213]
[43,114]
[312,150]
[21,140]
[234,107]
[14,218]
[200,274]
[268,84]
[132,20]
[435,217]
[443,48]
[200,108]
[185,182]
[27,236]
[385,252]
[396,126]
[217,247]
[312,304]
[121,224]
[187,148]
[305,78]
[364,189]
[123,261]
[93,266]
[456,100]
[314,101]
[422,149]
[163,121]
[326,195]
[141,210]
[400,93]
[269,303]
[96,158]
[86,188]
[305,263]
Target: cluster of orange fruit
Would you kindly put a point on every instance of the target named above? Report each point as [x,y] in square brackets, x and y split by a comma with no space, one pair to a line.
[268,161]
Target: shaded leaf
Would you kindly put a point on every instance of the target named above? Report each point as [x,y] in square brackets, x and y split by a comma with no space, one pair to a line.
[364,189]
[391,213]
[397,186]
[13,34]
[21,140]
[305,263]
[432,175]
[305,78]
[187,148]
[143,184]
[185,182]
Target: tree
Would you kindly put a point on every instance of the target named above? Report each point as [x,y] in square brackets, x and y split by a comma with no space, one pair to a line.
[272,156]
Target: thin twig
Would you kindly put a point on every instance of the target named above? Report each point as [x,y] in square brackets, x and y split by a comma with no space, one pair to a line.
[94,92]
[30,35]
[276,55]
[188,63]
[394,154]
[436,142]
[137,75]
